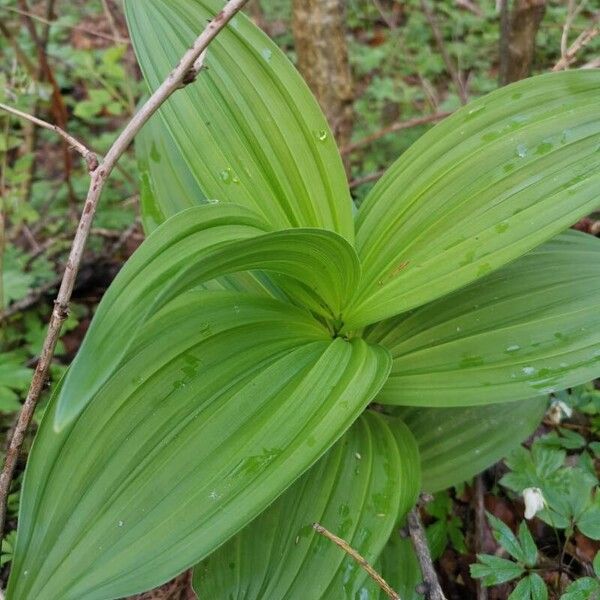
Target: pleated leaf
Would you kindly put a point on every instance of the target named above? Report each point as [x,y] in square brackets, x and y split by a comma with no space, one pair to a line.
[221,403]
[249,127]
[167,186]
[355,491]
[192,247]
[528,329]
[457,443]
[496,179]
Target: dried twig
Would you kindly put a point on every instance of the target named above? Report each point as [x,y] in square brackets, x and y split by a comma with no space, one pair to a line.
[90,158]
[398,126]
[366,178]
[183,74]
[46,21]
[439,40]
[345,546]
[419,541]
[584,38]
[480,525]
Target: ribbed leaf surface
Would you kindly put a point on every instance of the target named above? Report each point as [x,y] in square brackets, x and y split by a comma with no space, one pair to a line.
[221,403]
[457,443]
[499,177]
[249,128]
[530,328]
[355,491]
[192,247]
[167,186]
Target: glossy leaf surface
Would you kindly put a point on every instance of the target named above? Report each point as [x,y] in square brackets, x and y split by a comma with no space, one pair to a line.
[530,328]
[249,128]
[167,186]
[457,443]
[494,180]
[221,403]
[192,247]
[355,491]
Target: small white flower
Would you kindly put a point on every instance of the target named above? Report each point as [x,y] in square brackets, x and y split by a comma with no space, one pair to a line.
[534,501]
[558,410]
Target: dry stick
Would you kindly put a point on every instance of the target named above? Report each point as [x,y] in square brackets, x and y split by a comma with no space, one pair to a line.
[398,126]
[439,39]
[584,38]
[419,541]
[366,178]
[350,551]
[480,525]
[90,158]
[61,25]
[183,74]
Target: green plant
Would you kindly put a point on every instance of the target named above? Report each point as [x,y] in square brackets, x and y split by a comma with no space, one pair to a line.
[234,356]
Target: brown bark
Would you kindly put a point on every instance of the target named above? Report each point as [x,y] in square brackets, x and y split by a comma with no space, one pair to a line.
[320,38]
[519,28]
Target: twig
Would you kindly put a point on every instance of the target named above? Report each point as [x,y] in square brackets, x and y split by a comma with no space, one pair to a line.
[90,158]
[439,39]
[72,27]
[398,126]
[584,38]
[373,574]
[183,74]
[480,525]
[366,178]
[419,541]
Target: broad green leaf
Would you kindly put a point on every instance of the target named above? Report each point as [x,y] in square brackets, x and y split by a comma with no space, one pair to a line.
[584,588]
[249,128]
[354,491]
[194,246]
[531,587]
[167,185]
[221,403]
[527,542]
[409,451]
[493,570]
[506,538]
[457,443]
[489,183]
[530,328]
[400,568]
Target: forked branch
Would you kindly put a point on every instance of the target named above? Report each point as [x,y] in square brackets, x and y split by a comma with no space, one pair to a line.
[183,74]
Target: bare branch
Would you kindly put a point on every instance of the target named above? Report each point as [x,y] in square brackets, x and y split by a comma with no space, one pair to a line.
[480,527]
[90,158]
[366,178]
[439,39]
[184,73]
[398,126]
[350,551]
[48,22]
[419,541]
[584,38]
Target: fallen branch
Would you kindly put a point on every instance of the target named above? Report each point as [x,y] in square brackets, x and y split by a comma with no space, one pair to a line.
[90,158]
[584,38]
[398,126]
[183,74]
[345,546]
[480,527]
[419,540]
